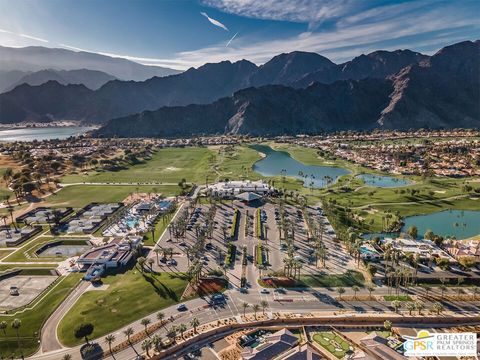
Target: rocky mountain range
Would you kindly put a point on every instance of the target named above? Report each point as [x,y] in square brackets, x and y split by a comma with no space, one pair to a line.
[92,79]
[37,58]
[203,85]
[398,89]
[442,91]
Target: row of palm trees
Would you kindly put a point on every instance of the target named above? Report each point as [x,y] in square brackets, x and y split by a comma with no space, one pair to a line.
[263,305]
[16,324]
[154,342]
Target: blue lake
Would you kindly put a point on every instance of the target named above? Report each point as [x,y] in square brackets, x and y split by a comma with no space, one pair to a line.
[383,181]
[279,163]
[461,224]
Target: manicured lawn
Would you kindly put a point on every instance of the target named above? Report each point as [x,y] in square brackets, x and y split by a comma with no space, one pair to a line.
[333,343]
[32,320]
[4,267]
[4,253]
[129,297]
[236,163]
[166,165]
[160,226]
[78,196]
[348,279]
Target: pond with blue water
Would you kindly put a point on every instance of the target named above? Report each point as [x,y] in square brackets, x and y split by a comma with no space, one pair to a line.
[383,181]
[280,163]
[460,224]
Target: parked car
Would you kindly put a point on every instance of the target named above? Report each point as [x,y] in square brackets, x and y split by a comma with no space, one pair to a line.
[182,307]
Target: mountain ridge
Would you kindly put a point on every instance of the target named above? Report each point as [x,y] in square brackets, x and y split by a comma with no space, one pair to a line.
[413,98]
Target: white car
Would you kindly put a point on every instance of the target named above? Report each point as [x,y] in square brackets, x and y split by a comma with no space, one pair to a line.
[264,291]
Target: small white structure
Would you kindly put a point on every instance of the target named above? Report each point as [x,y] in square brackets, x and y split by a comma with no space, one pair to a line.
[424,248]
[232,188]
[116,253]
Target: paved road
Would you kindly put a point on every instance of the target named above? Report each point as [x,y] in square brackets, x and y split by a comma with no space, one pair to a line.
[303,302]
[49,339]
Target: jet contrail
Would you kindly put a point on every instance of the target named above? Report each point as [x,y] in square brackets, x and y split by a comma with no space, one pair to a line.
[233,37]
[215,22]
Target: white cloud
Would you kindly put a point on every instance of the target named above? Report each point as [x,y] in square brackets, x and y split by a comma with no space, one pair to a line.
[25,36]
[72,47]
[351,37]
[307,11]
[33,38]
[215,22]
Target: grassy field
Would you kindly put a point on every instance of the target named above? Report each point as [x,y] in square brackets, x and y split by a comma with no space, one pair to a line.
[348,279]
[78,196]
[236,163]
[333,343]
[4,253]
[32,321]
[167,165]
[4,267]
[161,224]
[129,297]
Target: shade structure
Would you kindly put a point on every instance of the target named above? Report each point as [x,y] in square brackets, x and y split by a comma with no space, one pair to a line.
[248,196]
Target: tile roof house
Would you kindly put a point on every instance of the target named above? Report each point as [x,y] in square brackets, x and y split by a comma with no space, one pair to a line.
[375,345]
[281,345]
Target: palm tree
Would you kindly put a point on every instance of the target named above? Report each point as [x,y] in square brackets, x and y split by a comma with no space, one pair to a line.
[67,357]
[264,305]
[355,290]
[172,332]
[195,322]
[147,346]
[128,332]
[3,327]
[145,322]
[396,305]
[141,262]
[182,328]
[150,263]
[340,291]
[160,317]
[109,339]
[411,307]
[419,306]
[16,324]
[245,307]
[157,342]
[370,289]
[157,251]
[438,307]
[387,324]
[255,308]
[443,288]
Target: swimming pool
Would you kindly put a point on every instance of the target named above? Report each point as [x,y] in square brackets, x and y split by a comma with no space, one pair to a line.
[164,204]
[132,222]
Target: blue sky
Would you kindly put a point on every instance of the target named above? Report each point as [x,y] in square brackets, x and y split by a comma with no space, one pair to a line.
[176,34]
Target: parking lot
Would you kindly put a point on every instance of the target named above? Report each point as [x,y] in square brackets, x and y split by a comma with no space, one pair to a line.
[215,249]
[29,287]
[337,260]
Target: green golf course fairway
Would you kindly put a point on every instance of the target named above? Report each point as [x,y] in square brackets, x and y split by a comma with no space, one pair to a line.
[128,297]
